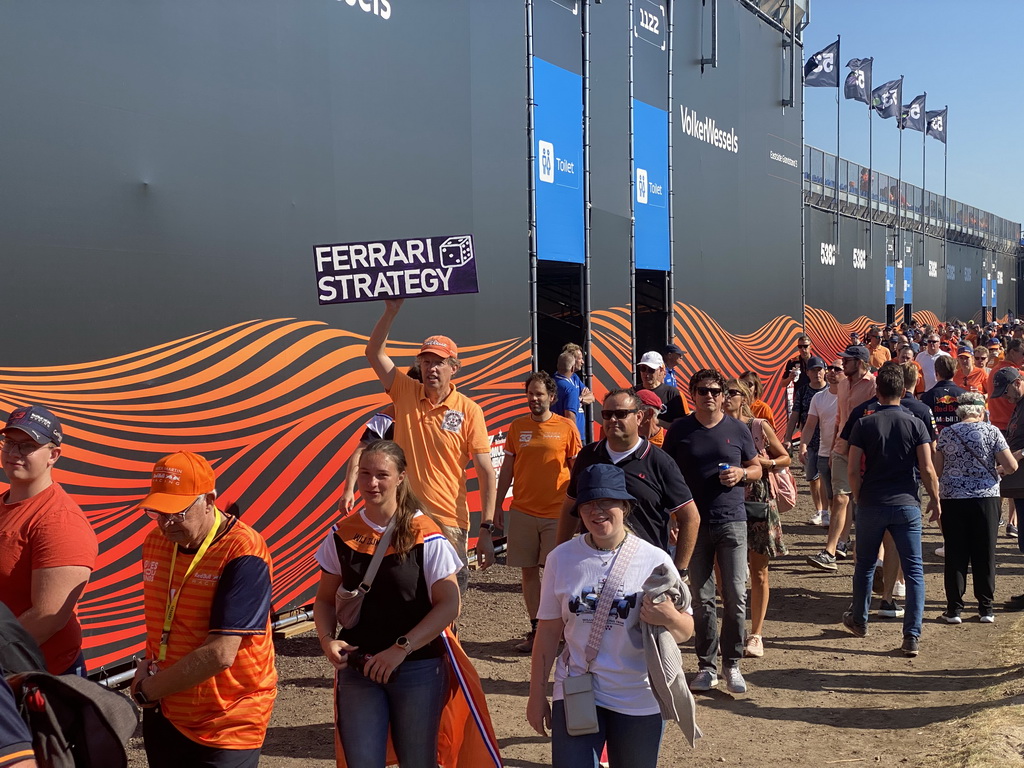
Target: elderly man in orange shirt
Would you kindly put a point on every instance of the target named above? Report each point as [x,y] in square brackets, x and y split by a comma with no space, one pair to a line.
[440,430]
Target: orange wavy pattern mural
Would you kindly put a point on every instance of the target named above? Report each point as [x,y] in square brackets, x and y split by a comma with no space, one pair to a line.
[276,406]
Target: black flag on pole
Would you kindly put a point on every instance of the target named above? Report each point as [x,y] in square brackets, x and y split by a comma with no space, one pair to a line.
[820,70]
[937,124]
[886,98]
[913,115]
[858,82]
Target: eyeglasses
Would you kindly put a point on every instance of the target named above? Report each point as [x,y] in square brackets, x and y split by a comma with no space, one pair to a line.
[177,518]
[705,391]
[20,447]
[618,413]
[834,368]
[733,392]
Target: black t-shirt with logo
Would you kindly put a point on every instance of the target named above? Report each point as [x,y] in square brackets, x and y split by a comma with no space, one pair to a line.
[889,439]
[672,402]
[942,399]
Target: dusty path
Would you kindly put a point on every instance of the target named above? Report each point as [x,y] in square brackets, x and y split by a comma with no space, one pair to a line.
[818,697]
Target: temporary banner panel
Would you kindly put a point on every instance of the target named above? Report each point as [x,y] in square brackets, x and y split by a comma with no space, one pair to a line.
[395,269]
[558,176]
[908,286]
[890,285]
[650,159]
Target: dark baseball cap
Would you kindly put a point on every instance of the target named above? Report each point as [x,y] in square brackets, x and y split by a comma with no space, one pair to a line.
[672,349]
[1003,379]
[857,352]
[814,362]
[36,422]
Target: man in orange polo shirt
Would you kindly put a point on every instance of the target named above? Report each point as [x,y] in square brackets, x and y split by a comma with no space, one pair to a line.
[539,453]
[440,430]
[207,680]
[879,355]
[967,375]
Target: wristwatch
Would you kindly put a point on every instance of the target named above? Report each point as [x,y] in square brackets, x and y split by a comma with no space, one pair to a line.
[487,526]
[139,696]
[683,573]
[404,644]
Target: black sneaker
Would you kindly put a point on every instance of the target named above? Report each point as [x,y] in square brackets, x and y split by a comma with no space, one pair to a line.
[823,560]
[911,646]
[860,630]
[843,549]
[1015,603]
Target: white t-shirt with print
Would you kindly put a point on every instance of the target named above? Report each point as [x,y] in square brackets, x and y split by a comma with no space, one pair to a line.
[440,560]
[570,589]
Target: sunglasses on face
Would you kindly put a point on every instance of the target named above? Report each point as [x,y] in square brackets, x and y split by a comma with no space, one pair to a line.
[733,392]
[803,346]
[618,413]
[705,391]
[834,368]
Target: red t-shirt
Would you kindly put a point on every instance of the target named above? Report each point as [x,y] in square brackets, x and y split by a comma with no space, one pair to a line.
[48,530]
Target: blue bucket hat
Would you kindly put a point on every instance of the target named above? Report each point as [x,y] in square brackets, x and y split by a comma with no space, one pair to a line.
[601,481]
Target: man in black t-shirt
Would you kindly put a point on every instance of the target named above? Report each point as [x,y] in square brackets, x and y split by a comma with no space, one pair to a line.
[796,369]
[892,443]
[942,398]
[652,376]
[699,443]
[651,476]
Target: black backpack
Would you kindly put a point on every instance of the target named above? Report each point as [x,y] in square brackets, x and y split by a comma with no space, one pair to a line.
[19,651]
[74,722]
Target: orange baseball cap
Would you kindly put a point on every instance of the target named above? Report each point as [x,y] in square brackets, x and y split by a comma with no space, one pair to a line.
[441,346]
[177,480]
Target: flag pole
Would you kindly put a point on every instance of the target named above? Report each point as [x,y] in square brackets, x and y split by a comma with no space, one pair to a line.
[924,175]
[871,182]
[945,179]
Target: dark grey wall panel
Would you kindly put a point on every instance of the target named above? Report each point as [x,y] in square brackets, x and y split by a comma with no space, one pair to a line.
[737,214]
[168,166]
[842,278]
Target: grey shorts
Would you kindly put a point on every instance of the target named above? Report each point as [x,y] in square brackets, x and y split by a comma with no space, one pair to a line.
[825,473]
[840,480]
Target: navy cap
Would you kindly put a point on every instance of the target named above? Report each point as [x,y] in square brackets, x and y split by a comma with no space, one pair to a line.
[814,362]
[37,422]
[857,352]
[672,349]
[601,481]
[1003,379]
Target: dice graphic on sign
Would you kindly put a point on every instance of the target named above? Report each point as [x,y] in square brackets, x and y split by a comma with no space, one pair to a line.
[456,251]
[641,186]
[546,152]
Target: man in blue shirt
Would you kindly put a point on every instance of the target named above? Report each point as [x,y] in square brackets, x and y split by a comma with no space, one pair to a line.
[567,393]
[892,443]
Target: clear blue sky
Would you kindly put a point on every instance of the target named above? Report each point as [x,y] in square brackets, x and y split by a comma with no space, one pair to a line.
[964,54]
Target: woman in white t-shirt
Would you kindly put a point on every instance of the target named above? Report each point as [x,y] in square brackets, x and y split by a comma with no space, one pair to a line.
[628,714]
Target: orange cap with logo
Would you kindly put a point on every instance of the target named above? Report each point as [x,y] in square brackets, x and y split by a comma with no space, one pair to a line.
[178,480]
[441,346]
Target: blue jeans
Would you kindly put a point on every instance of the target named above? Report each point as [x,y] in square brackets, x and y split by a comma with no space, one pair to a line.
[904,523]
[1018,505]
[411,704]
[633,740]
[728,543]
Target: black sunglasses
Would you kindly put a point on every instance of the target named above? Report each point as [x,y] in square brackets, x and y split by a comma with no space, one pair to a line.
[834,368]
[803,346]
[733,392]
[705,391]
[618,413]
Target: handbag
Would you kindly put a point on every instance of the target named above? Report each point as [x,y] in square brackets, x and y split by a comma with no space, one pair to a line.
[349,603]
[783,484]
[578,690]
[757,501]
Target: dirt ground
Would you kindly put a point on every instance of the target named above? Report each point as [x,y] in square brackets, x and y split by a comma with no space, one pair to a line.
[819,697]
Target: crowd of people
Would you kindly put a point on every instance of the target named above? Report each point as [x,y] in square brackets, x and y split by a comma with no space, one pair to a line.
[626,545]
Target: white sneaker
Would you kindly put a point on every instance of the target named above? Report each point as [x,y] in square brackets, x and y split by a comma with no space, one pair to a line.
[705,680]
[987,618]
[734,681]
[815,518]
[940,552]
[825,518]
[899,589]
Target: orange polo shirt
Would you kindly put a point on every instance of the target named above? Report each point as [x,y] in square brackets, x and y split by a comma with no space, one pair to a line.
[541,451]
[975,381]
[439,441]
[879,356]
